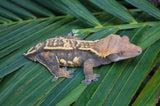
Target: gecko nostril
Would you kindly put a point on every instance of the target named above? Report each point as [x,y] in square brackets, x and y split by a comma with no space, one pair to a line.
[139,51]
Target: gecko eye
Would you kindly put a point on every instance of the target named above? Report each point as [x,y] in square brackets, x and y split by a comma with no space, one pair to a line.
[121,53]
[139,52]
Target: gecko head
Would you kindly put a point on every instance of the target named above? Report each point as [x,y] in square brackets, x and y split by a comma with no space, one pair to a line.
[31,53]
[116,48]
[126,50]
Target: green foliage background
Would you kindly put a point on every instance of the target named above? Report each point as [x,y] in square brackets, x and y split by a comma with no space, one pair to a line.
[24,23]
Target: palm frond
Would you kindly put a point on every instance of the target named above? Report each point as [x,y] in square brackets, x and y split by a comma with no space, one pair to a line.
[24,23]
[146,6]
[114,8]
[151,90]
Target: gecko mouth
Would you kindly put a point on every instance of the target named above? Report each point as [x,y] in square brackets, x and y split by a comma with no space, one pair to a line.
[29,56]
[130,55]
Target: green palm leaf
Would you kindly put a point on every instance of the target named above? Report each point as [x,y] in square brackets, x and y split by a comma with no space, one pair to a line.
[16,9]
[75,8]
[146,6]
[24,23]
[113,7]
[34,7]
[150,92]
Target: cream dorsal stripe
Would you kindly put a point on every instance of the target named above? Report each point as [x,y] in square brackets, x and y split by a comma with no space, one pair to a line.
[102,48]
[68,44]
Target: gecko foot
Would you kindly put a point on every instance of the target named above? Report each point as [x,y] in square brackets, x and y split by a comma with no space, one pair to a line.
[63,73]
[69,73]
[90,78]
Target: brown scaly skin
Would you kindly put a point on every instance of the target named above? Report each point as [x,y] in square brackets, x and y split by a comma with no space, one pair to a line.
[74,52]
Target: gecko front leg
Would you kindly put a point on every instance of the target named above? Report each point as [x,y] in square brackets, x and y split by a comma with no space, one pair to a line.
[50,61]
[88,71]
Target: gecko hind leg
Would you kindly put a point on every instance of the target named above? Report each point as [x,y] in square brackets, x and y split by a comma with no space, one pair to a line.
[49,60]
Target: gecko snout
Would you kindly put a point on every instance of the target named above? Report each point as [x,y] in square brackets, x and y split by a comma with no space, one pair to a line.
[139,51]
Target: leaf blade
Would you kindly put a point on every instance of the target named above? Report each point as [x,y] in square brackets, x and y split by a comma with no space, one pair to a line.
[78,10]
[115,9]
[146,6]
[150,92]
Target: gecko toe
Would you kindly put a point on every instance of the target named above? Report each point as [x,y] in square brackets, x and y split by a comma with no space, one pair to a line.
[86,82]
[97,75]
[71,71]
[70,76]
[54,79]
[95,79]
[65,68]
